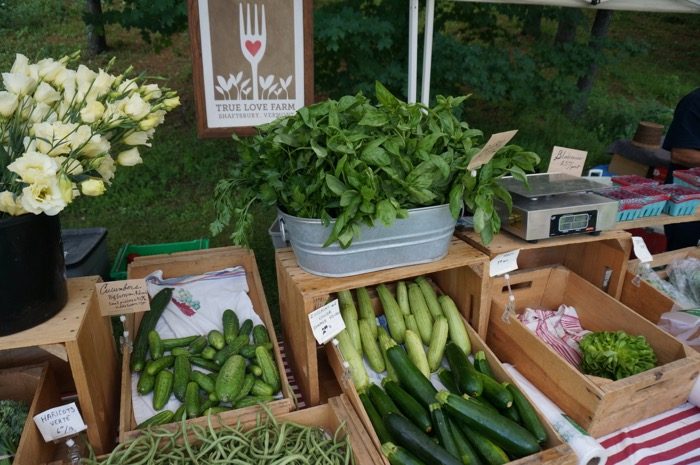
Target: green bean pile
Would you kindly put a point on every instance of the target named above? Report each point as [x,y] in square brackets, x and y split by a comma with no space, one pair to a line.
[269,442]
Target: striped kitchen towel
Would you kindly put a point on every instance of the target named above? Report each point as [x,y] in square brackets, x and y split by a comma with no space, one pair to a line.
[670,438]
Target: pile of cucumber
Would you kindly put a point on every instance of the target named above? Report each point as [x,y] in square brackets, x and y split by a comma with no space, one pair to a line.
[476,420]
[226,369]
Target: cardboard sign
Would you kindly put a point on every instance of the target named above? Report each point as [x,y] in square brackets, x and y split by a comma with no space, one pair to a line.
[121,297]
[504,263]
[326,322]
[60,422]
[567,161]
[495,143]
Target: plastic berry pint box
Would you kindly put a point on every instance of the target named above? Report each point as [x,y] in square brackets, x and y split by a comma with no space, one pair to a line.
[684,200]
[689,178]
[654,199]
[629,204]
[633,180]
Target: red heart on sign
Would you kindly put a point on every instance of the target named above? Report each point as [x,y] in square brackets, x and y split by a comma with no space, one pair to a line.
[253,46]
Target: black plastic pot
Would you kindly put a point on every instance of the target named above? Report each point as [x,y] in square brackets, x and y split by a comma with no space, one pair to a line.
[32,271]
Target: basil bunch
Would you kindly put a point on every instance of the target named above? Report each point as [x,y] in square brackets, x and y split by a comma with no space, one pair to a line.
[360,163]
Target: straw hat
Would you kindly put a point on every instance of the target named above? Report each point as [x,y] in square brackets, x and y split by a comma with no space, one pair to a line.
[648,135]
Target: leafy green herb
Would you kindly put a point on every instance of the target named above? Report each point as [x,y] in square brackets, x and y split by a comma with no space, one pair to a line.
[358,163]
[13,414]
[615,354]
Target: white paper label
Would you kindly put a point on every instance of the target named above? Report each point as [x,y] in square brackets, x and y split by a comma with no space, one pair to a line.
[640,250]
[495,143]
[326,322]
[121,297]
[60,422]
[504,263]
[567,161]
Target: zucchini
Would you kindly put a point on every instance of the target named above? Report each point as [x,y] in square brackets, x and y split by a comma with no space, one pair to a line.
[261,388]
[230,323]
[398,455]
[528,416]
[155,366]
[490,452]
[171,343]
[192,400]
[375,418]
[148,323]
[381,400]
[447,379]
[146,383]
[410,378]
[466,377]
[408,435]
[357,367]
[458,332]
[155,347]
[511,413]
[407,405]
[270,374]
[416,353]
[216,339]
[246,328]
[365,309]
[260,335]
[505,433]
[385,342]
[392,312]
[419,309]
[402,298]
[495,392]
[411,323]
[349,314]
[197,346]
[431,298]
[249,401]
[162,389]
[438,340]
[181,376]
[481,364]
[483,402]
[203,381]
[160,418]
[443,430]
[466,451]
[370,346]
[230,378]
[204,363]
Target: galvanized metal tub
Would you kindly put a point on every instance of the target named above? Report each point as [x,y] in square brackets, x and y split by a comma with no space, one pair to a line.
[421,238]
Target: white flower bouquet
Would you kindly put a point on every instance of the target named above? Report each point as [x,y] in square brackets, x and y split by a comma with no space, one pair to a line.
[63,131]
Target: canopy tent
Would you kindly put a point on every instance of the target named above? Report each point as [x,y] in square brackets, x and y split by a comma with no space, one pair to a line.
[657,6]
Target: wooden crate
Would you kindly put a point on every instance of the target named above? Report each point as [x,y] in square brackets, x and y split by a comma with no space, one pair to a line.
[192,263]
[82,338]
[463,274]
[34,385]
[557,452]
[600,259]
[599,405]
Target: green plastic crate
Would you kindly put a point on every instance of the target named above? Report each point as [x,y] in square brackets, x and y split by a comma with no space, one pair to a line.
[118,271]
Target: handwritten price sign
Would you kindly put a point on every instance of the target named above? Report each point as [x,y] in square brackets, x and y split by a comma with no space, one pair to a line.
[504,263]
[120,297]
[567,161]
[60,422]
[326,322]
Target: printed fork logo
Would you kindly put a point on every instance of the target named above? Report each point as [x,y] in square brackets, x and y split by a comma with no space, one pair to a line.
[253,47]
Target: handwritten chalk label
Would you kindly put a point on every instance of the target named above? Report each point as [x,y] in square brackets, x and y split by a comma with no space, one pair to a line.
[640,250]
[495,143]
[567,161]
[59,422]
[326,322]
[504,263]
[120,297]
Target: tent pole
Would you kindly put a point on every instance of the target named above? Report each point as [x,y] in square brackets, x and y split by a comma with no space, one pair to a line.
[412,50]
[427,51]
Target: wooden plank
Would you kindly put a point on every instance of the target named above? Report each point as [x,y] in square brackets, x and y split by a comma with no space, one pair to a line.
[659,220]
[644,298]
[665,258]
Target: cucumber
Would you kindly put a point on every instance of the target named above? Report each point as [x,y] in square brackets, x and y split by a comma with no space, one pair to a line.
[408,435]
[260,335]
[155,346]
[246,328]
[431,298]
[375,418]
[402,298]
[181,376]
[438,340]
[204,363]
[416,353]
[249,401]
[248,351]
[230,323]
[215,410]
[370,345]
[409,406]
[255,370]
[261,388]
[528,416]
[481,364]
[267,364]
[148,323]
[192,400]
[447,379]
[146,383]
[248,382]
[231,349]
[443,430]
[490,452]
[198,345]
[392,312]
[160,418]
[419,309]
[216,339]
[208,353]
[162,389]
[381,400]
[410,378]
[180,412]
[495,392]
[177,351]
[171,343]
[203,381]
[467,378]
[505,433]
[466,451]
[365,309]
[349,314]
[206,405]
[155,366]
[458,332]
[398,455]
[230,378]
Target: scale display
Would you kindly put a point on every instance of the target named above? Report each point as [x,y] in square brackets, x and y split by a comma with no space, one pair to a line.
[572,223]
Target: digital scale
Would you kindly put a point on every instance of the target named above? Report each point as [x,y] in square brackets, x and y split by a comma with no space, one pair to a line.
[555,204]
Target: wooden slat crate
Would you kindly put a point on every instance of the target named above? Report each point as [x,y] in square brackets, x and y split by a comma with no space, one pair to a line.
[599,405]
[192,263]
[463,274]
